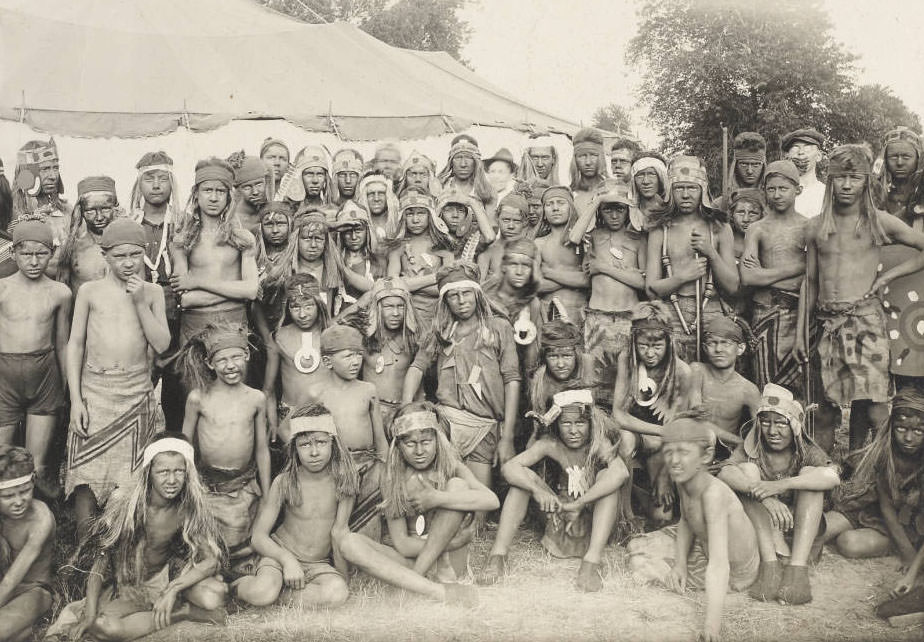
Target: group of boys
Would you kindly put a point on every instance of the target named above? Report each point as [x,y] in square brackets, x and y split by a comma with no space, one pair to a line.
[320,363]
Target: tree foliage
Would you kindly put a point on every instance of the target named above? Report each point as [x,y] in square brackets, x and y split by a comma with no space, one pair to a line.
[426,25]
[612,118]
[767,67]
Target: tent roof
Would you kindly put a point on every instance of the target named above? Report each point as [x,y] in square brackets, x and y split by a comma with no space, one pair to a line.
[144,67]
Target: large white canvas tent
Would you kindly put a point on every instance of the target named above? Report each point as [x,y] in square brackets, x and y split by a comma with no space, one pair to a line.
[209,77]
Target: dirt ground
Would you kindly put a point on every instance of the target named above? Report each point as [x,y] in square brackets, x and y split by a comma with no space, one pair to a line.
[538,602]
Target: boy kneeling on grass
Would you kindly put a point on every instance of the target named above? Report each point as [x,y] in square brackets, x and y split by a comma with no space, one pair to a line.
[714,543]
[315,493]
[27,533]
[429,498]
[586,502]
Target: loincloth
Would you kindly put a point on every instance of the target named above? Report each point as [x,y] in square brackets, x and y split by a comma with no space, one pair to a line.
[686,343]
[30,384]
[467,431]
[854,351]
[424,310]
[128,600]
[311,568]
[233,497]
[365,517]
[773,323]
[388,410]
[651,558]
[606,334]
[195,320]
[123,416]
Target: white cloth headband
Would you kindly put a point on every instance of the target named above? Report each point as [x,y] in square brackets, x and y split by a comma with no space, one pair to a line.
[12,483]
[459,285]
[570,397]
[169,445]
[321,423]
[649,162]
[163,167]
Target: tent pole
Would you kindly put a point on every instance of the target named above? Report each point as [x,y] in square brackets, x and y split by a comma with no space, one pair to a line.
[22,108]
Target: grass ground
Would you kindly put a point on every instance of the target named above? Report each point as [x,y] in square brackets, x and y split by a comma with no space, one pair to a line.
[538,602]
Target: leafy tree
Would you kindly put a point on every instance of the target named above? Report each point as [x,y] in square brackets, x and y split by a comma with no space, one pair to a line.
[426,25]
[766,67]
[867,113]
[612,118]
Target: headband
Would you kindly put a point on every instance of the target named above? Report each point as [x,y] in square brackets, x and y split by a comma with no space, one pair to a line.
[650,323]
[341,337]
[848,159]
[540,141]
[17,481]
[778,399]
[123,231]
[168,445]
[34,230]
[276,207]
[649,162]
[222,338]
[320,423]
[347,161]
[587,146]
[726,328]
[565,192]
[214,173]
[95,184]
[464,147]
[582,397]
[748,155]
[35,155]
[459,285]
[909,399]
[159,167]
[419,420]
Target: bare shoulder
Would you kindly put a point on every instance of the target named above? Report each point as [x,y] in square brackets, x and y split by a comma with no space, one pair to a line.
[812,227]
[194,398]
[60,290]
[256,396]
[44,521]
[716,496]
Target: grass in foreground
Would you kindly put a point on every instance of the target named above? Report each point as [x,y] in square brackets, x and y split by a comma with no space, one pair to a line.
[539,602]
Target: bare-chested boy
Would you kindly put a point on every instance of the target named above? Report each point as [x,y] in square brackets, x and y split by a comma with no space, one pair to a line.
[652,385]
[27,534]
[843,287]
[314,494]
[782,477]
[690,245]
[226,421]
[34,324]
[420,254]
[511,225]
[214,258]
[293,357]
[118,323]
[724,397]
[773,264]
[391,343]
[564,284]
[714,544]
[252,184]
[150,560]
[354,406]
[429,496]
[81,258]
[588,166]
[615,263]
[583,505]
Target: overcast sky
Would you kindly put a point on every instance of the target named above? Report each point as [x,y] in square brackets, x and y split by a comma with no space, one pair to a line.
[568,56]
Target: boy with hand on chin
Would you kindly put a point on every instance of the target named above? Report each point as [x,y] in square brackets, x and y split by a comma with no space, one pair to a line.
[119,320]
